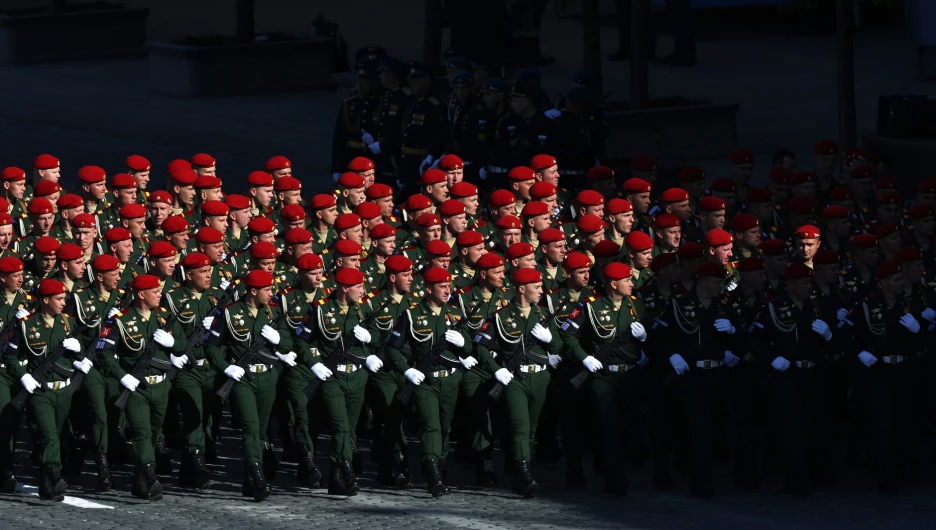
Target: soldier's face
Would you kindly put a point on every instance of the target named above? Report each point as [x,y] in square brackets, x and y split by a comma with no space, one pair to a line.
[355,292]
[388,79]
[891,242]
[800,288]
[164,266]
[806,248]
[670,273]
[430,233]
[550,175]
[840,227]
[54,200]
[556,251]
[218,222]
[285,172]
[776,264]
[355,233]
[525,262]
[457,223]
[214,251]
[494,277]
[442,262]
[159,211]
[892,284]
[750,238]
[730,198]
[507,209]
[641,259]
[597,210]
[109,279]
[125,196]
[384,246]
[312,279]
[721,253]
[262,195]
[522,188]
[354,196]
[806,189]
[268,265]
[368,177]
[54,304]
[264,295]
[681,210]
[15,189]
[299,249]
[640,202]
[579,278]
[462,93]
[754,280]
[269,237]
[13,281]
[291,197]
[670,236]
[591,240]
[349,262]
[532,292]
[438,192]
[386,206]
[863,187]
[122,250]
[402,281]
[551,202]
[200,277]
[781,192]
[509,237]
[912,272]
[440,292]
[184,195]
[826,274]
[241,217]
[454,176]
[179,240]
[328,215]
[135,226]
[889,213]
[207,170]
[695,188]
[473,253]
[45,262]
[70,213]
[925,226]
[540,222]
[142,178]
[75,268]
[43,223]
[928,199]
[743,172]
[53,174]
[714,219]
[6,236]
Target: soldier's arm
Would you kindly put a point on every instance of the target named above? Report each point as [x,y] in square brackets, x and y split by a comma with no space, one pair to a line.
[12,353]
[571,334]
[760,332]
[180,338]
[396,342]
[555,345]
[106,352]
[216,345]
[286,343]
[485,346]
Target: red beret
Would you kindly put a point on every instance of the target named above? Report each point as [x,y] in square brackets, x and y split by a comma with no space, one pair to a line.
[324,200]
[123,181]
[295,212]
[826,147]
[797,271]
[215,208]
[744,221]
[691,174]
[751,265]
[297,236]
[438,248]
[39,206]
[309,262]
[367,210]
[231,202]
[207,236]
[105,263]
[908,254]
[724,185]
[69,200]
[501,198]
[261,225]
[83,220]
[690,250]
[428,219]
[920,211]
[541,162]
[92,174]
[10,264]
[617,271]
[287,183]
[710,203]
[468,238]
[259,279]
[888,268]
[463,189]
[638,241]
[207,182]
[643,163]
[534,208]
[606,249]
[490,260]
[68,252]
[616,206]
[259,179]
[45,161]
[518,250]
[52,287]
[885,229]
[826,256]
[842,193]
[451,163]
[888,199]
[7,219]
[674,195]
[551,235]
[185,177]
[203,160]
[195,260]
[174,224]
[758,195]
[862,172]
[132,211]
[662,260]
[589,224]
[802,205]
[717,237]
[521,173]
[347,247]
[263,250]
[161,196]
[711,269]
[162,249]
[886,183]
[807,232]
[177,165]
[378,191]
[667,220]
[742,156]
[10,174]
[599,173]
[360,164]
[432,176]
[773,247]
[508,222]
[542,189]
[453,207]
[398,263]
[437,275]
[835,212]
[636,185]
[351,180]
[927,185]
[382,230]
[780,175]
[47,187]
[589,198]
[576,260]
[864,241]
[802,177]
[277,162]
[418,201]
[144,282]
[526,276]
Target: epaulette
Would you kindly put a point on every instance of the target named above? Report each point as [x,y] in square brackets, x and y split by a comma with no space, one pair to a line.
[161,309]
[28,296]
[463,290]
[433,100]
[551,291]
[498,310]
[328,290]
[368,296]
[288,290]
[633,297]
[321,301]
[393,219]
[229,305]
[404,249]
[591,299]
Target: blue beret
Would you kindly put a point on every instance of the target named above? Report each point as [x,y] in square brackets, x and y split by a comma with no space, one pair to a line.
[496,84]
[462,79]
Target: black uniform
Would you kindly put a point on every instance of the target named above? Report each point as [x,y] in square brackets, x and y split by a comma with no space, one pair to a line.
[357,114]
[424,133]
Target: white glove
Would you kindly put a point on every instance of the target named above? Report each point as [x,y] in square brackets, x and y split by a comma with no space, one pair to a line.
[643,359]
[373,363]
[553,113]
[468,362]
[270,334]
[454,338]
[725,326]
[321,371]
[910,323]
[336,176]
[731,359]
[178,362]
[163,338]
[207,322]
[554,360]
[591,364]
[129,382]
[414,376]
[541,333]
[374,148]
[21,314]
[425,164]
[929,315]
[503,376]
[29,383]
[678,363]
[482,174]
[367,137]
[638,331]
[289,359]
[362,334]
[224,285]
[820,327]
[867,358]
[780,364]
[84,365]
[841,314]
[71,344]
[234,372]
[112,312]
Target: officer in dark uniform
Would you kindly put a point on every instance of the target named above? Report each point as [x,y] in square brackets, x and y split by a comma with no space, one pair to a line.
[385,147]
[358,121]
[522,134]
[425,129]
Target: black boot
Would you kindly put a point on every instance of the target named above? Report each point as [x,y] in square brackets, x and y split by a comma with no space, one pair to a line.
[8,482]
[258,485]
[548,452]
[145,483]
[306,473]
[187,470]
[401,472]
[484,472]
[523,482]
[104,482]
[163,459]
[356,462]
[211,450]
[72,459]
[270,462]
[291,451]
[433,471]
[202,478]
[350,481]
[336,485]
[52,486]
[385,474]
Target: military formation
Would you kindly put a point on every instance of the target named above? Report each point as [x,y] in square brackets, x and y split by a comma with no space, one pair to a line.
[450,288]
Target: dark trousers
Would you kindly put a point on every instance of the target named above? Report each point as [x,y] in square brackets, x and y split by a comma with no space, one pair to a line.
[748,407]
[798,404]
[702,394]
[887,396]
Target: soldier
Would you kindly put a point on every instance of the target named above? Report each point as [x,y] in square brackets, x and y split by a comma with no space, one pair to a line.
[204,164]
[11,279]
[14,190]
[38,335]
[718,246]
[238,218]
[424,127]
[746,234]
[42,265]
[94,189]
[433,184]
[501,338]
[467,194]
[552,248]
[637,191]
[70,267]
[215,215]
[807,243]
[259,229]
[159,207]
[124,188]
[359,114]
[619,216]
[454,220]
[139,168]
[776,257]
[836,229]
[639,253]
[382,246]
[40,221]
[711,212]
[386,145]
[668,234]
[260,192]
[692,179]
[921,234]
[69,207]
[858,277]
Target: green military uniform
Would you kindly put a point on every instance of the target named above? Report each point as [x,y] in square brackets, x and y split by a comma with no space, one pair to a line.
[551,280]
[322,242]
[461,276]
[374,273]
[32,277]
[9,416]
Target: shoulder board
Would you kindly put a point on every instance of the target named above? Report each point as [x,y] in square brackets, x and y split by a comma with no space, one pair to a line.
[591,299]
[28,296]
[374,293]
[230,305]
[404,249]
[499,309]
[328,290]
[551,291]
[161,309]
[633,297]
[463,290]
[289,290]
[393,219]
[434,101]
[28,317]
[321,301]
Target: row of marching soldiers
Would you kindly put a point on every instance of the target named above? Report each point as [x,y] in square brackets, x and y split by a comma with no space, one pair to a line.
[621,301]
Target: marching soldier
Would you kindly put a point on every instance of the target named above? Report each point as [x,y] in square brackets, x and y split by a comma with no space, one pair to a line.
[11,280]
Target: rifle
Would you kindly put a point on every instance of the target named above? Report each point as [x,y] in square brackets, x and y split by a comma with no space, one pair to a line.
[90,353]
[50,363]
[609,349]
[249,357]
[146,359]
